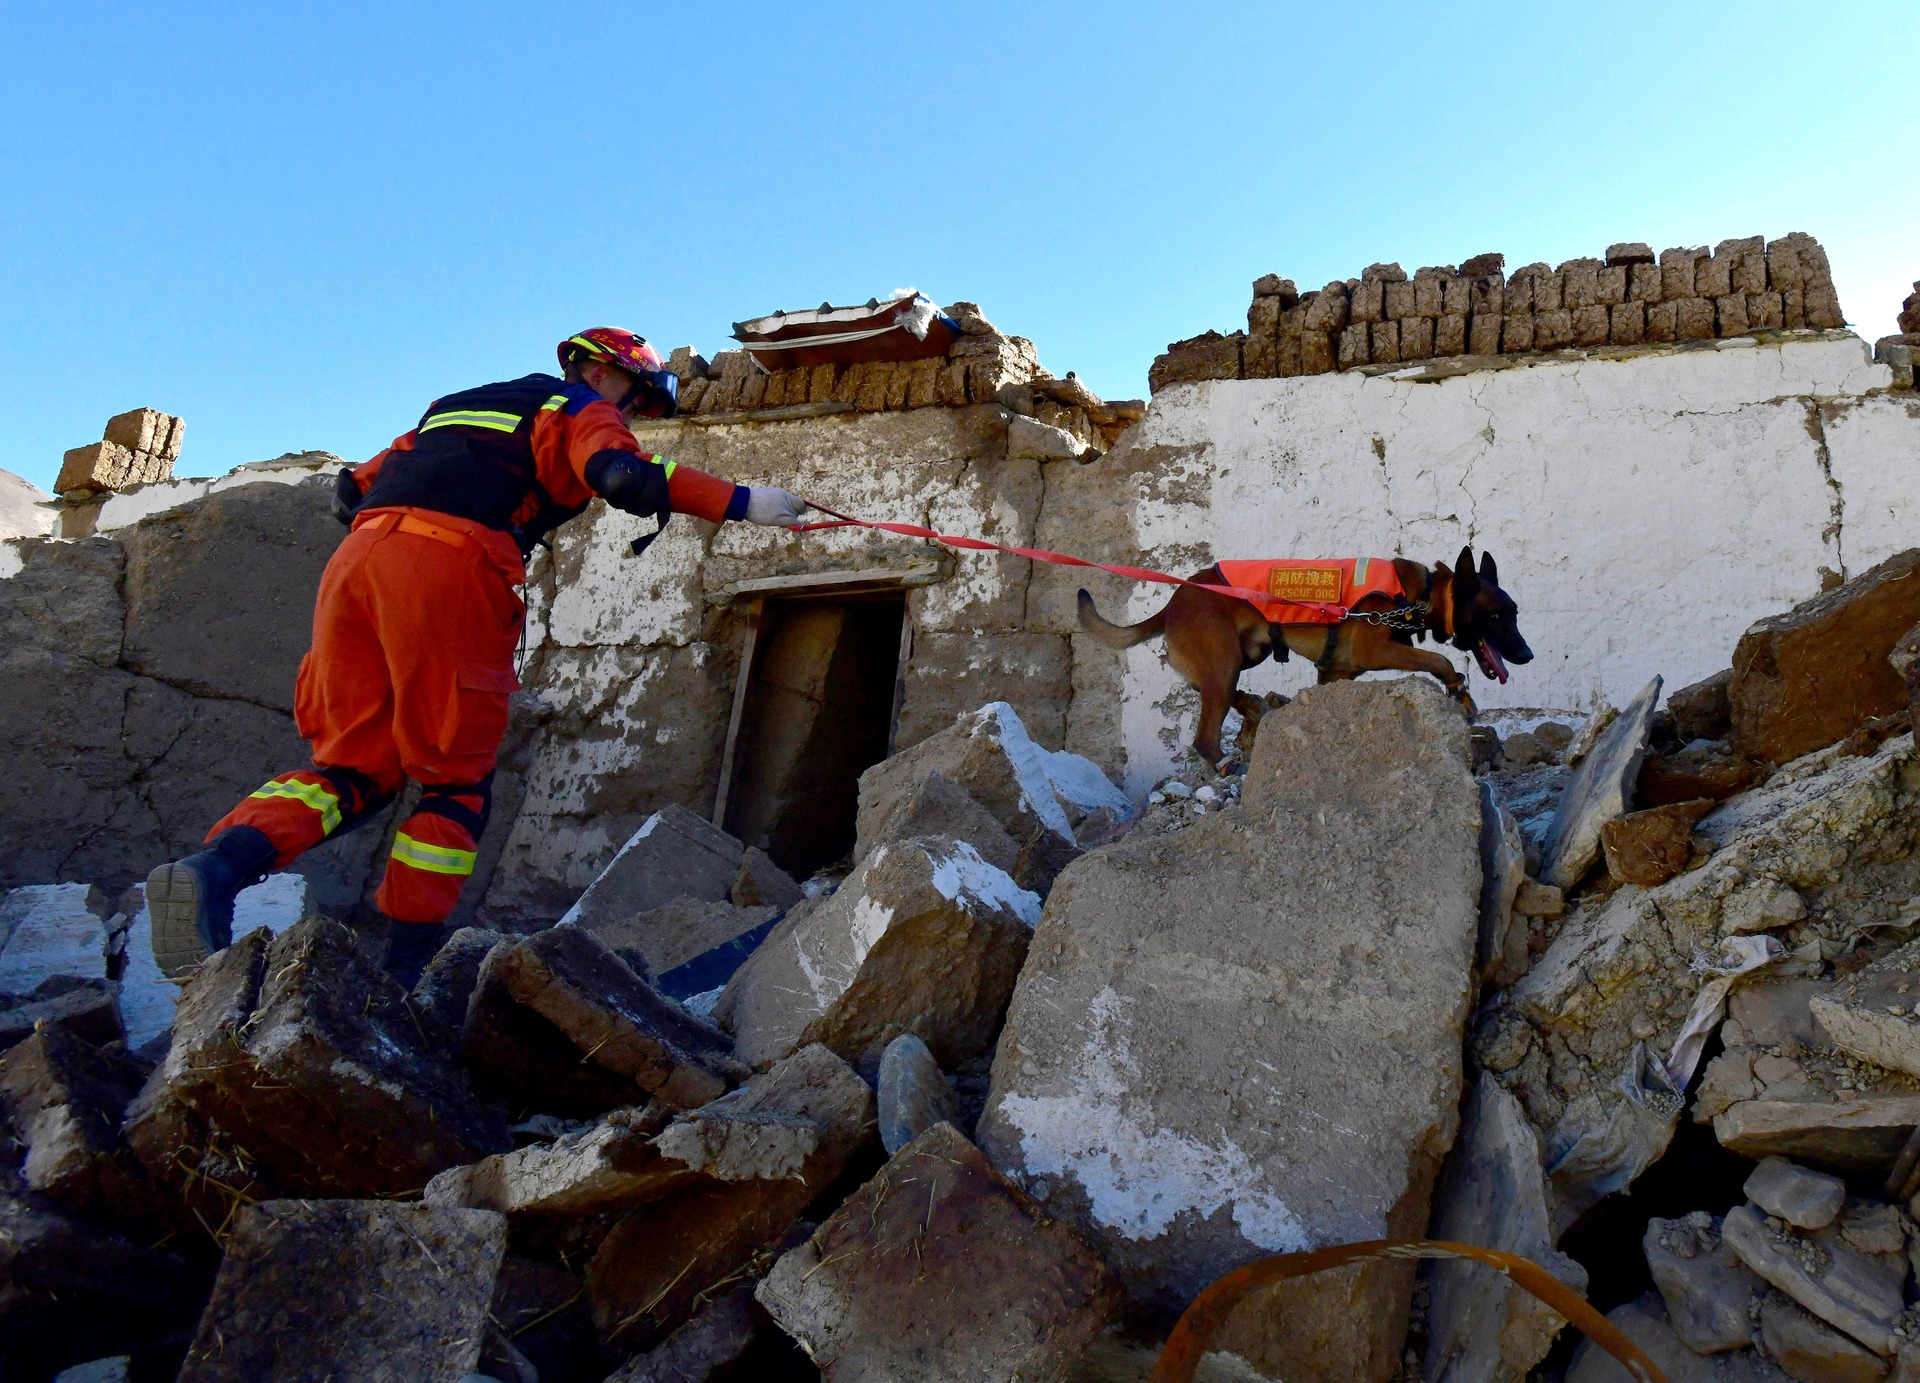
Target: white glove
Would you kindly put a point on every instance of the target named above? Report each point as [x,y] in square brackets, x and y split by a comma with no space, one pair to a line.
[774,507]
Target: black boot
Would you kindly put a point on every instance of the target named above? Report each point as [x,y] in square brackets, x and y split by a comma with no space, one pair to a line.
[410,945]
[191,900]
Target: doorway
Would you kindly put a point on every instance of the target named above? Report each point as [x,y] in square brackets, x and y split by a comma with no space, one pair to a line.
[816,708]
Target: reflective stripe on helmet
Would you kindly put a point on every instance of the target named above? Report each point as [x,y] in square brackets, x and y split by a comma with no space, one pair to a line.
[496,422]
[434,859]
[323,800]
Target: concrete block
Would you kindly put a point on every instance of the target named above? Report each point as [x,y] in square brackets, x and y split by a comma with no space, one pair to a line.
[1804,1198]
[675,854]
[1708,1291]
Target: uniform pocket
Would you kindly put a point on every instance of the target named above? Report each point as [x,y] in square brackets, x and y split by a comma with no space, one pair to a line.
[479,708]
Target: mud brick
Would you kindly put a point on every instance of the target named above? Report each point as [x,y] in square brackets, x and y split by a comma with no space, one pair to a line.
[1580,288]
[1483,334]
[1327,310]
[1416,338]
[1741,245]
[1263,318]
[1316,353]
[1260,357]
[1519,298]
[1516,332]
[1643,283]
[142,429]
[1823,308]
[1401,299]
[1713,277]
[923,386]
[1487,296]
[1610,284]
[953,384]
[1273,286]
[1676,272]
[1450,335]
[775,395]
[1629,324]
[1456,298]
[753,391]
[692,394]
[1785,271]
[1591,325]
[1694,319]
[1383,273]
[721,395]
[1207,356]
[1764,312]
[1428,294]
[1793,309]
[821,380]
[1661,321]
[899,386]
[1630,252]
[1549,290]
[1386,343]
[109,466]
[1289,355]
[1353,346]
[1368,301]
[1750,272]
[1730,314]
[1483,266]
[1552,331]
[872,397]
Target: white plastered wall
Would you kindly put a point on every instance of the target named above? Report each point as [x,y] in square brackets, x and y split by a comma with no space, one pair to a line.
[1643,510]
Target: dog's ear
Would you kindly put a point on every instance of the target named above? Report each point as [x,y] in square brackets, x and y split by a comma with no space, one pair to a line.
[1465,583]
[1489,573]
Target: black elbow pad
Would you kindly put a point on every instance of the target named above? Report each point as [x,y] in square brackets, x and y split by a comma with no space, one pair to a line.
[346,496]
[630,483]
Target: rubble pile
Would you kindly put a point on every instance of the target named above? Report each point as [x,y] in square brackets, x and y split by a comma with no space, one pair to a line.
[1898,351]
[1631,298]
[1065,419]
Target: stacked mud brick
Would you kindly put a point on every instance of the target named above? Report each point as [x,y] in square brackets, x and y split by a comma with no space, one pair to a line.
[1630,298]
[139,447]
[979,363]
[1901,351]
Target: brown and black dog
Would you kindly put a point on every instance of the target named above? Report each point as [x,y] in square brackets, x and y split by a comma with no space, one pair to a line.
[1213,638]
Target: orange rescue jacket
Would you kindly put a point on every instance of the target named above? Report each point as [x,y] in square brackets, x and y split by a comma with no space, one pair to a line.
[1314,591]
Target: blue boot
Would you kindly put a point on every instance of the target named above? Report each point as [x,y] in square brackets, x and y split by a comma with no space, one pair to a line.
[191,900]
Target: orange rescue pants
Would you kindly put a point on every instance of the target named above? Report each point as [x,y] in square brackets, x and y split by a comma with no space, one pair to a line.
[414,635]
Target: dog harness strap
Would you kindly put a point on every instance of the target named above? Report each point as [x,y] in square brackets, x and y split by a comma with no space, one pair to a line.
[1325,661]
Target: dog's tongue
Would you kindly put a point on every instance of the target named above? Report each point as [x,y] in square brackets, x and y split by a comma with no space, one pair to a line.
[1490,662]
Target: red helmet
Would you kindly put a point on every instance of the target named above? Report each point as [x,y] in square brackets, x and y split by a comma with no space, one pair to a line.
[656,389]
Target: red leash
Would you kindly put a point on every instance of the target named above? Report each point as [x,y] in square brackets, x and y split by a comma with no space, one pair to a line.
[1058,559]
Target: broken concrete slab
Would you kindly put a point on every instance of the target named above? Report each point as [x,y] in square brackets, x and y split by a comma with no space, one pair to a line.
[1871,1012]
[65,1101]
[1813,675]
[665,938]
[674,854]
[1117,1097]
[1857,1293]
[1804,1198]
[1583,1038]
[349,1290]
[307,1057]
[51,929]
[762,883]
[939,1270]
[924,936]
[1708,1291]
[73,1291]
[1600,790]
[534,1063]
[1645,1322]
[88,1008]
[1034,793]
[569,977]
[1493,1193]
[913,1094]
[1808,1348]
[612,1166]
[1502,955]
[938,806]
[660,1261]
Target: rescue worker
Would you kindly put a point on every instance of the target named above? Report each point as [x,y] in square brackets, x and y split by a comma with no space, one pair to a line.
[416,626]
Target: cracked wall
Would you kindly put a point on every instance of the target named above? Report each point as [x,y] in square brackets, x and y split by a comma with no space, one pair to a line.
[1644,509]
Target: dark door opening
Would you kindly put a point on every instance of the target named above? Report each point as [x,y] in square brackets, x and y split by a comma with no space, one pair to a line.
[818,711]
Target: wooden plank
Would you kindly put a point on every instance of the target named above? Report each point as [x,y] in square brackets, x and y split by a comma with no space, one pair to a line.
[832,583]
[749,644]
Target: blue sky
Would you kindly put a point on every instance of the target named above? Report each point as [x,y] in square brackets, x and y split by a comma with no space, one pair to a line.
[295,224]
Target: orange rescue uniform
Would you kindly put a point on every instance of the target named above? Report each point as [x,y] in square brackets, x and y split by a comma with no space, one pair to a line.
[1314,591]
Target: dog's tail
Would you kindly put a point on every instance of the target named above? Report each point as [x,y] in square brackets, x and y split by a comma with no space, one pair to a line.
[1118,635]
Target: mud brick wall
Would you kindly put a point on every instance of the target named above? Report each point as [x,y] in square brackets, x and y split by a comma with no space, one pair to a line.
[1628,299]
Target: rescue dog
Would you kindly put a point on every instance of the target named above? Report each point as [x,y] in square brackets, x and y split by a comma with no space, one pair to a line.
[1213,638]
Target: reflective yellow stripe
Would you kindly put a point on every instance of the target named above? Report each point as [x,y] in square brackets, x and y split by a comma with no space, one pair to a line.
[594,346]
[497,422]
[435,859]
[322,800]
[668,466]
[557,401]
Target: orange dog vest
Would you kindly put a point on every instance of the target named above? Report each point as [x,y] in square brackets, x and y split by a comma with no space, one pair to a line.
[1331,586]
